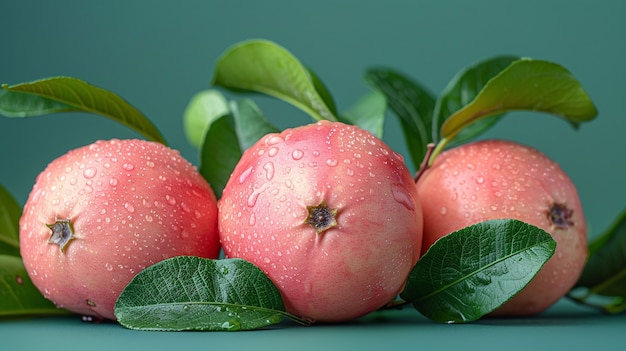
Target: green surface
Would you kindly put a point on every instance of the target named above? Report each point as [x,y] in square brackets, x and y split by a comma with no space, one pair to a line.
[564,327]
[157,55]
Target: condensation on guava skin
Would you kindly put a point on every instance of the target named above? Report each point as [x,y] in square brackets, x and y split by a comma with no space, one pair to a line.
[500,179]
[293,203]
[131,203]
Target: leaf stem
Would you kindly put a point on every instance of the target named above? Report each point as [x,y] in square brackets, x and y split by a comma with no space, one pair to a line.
[426,163]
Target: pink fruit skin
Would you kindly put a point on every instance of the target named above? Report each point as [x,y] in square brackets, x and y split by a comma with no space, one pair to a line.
[348,270]
[494,179]
[131,204]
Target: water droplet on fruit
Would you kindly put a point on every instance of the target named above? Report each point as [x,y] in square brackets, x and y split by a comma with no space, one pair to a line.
[480,180]
[253,198]
[89,172]
[252,219]
[113,182]
[273,140]
[245,174]
[272,151]
[108,267]
[331,162]
[297,154]
[128,166]
[149,218]
[401,195]
[129,207]
[170,199]
[444,210]
[269,170]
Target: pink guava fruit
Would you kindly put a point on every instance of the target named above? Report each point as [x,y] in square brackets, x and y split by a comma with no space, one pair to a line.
[493,179]
[330,213]
[101,213]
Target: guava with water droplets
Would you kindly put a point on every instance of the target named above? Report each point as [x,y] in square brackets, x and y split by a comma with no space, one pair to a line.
[494,179]
[101,213]
[330,213]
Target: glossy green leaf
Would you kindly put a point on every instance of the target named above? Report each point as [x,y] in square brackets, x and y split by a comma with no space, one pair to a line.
[526,84]
[64,94]
[462,90]
[411,103]
[265,67]
[193,293]
[220,153]
[17,104]
[604,274]
[203,108]
[471,272]
[323,92]
[369,113]
[10,213]
[250,123]
[18,296]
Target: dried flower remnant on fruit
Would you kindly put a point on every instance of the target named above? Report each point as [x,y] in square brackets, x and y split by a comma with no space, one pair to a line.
[561,216]
[321,217]
[62,233]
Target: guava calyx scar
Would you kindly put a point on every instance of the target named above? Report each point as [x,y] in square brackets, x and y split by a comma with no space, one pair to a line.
[62,233]
[321,217]
[561,216]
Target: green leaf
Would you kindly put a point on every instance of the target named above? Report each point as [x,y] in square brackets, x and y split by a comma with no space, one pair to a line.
[220,153]
[10,213]
[15,104]
[203,108]
[250,123]
[471,272]
[411,103]
[604,274]
[18,296]
[462,89]
[265,67]
[66,94]
[526,84]
[369,113]
[323,91]
[193,293]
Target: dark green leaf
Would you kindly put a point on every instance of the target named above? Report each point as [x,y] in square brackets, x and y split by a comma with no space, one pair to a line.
[604,274]
[473,271]
[462,90]
[18,296]
[220,153]
[369,113]
[59,94]
[193,293]
[411,103]
[265,67]
[203,108]
[250,123]
[323,92]
[526,84]
[10,213]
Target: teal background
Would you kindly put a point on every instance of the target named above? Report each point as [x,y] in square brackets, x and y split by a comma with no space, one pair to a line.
[157,54]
